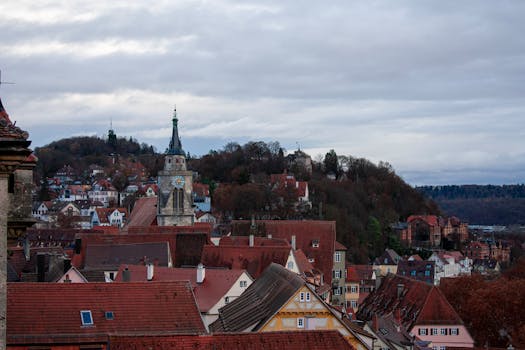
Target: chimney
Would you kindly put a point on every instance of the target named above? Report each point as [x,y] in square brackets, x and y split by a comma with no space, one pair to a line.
[126,275]
[201,273]
[375,326]
[397,316]
[400,288]
[67,280]
[251,240]
[150,269]
[293,242]
[78,245]
[27,249]
[67,265]
[41,267]
[379,279]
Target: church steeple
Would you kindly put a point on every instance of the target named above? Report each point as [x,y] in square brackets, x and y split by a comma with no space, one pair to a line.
[175,144]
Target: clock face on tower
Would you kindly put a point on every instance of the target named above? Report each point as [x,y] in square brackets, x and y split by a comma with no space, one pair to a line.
[178,181]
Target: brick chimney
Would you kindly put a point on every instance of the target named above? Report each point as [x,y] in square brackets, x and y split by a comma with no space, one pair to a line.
[251,239]
[293,243]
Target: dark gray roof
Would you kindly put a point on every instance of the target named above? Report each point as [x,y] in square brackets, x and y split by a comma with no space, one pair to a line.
[113,255]
[93,275]
[259,302]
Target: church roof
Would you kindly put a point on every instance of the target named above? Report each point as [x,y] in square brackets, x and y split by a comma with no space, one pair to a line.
[175,147]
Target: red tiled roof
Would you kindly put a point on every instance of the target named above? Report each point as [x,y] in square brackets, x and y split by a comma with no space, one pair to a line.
[112,255]
[185,243]
[305,232]
[351,274]
[201,190]
[303,264]
[217,282]
[257,241]
[144,212]
[339,246]
[45,312]
[419,303]
[432,220]
[437,310]
[252,259]
[313,340]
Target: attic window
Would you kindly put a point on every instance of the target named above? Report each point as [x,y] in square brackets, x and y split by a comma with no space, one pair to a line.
[109,315]
[315,243]
[86,318]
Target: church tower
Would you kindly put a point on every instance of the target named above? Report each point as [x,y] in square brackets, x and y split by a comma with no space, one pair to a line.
[175,201]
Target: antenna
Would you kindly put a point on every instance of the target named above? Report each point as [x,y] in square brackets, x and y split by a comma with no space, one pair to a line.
[3,82]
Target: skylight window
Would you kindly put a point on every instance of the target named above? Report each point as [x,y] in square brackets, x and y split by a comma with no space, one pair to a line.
[86,317]
[109,315]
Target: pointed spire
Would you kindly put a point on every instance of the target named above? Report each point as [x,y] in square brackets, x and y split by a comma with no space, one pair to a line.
[175,144]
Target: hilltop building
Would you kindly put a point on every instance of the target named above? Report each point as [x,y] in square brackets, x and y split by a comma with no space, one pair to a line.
[175,202]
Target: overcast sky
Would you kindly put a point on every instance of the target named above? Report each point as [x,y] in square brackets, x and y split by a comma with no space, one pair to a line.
[436,88]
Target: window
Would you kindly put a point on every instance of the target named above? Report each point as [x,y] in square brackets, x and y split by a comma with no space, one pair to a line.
[301,297]
[226,300]
[443,331]
[243,284]
[86,318]
[290,265]
[433,331]
[337,273]
[413,273]
[315,243]
[427,273]
[109,315]
[454,331]
[337,257]
[353,289]
[307,296]
[311,260]
[422,331]
[338,291]
[353,304]
[442,348]
[300,322]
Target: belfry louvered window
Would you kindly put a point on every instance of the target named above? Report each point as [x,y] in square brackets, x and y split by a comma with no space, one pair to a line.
[178,199]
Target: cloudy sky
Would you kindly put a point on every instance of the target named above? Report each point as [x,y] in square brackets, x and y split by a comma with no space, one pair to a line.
[436,88]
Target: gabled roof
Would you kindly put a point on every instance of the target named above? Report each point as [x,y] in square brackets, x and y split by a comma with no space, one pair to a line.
[339,246]
[50,312]
[417,269]
[144,212]
[431,220]
[252,259]
[112,255]
[304,266]
[415,302]
[389,257]
[306,232]
[216,284]
[259,302]
[312,340]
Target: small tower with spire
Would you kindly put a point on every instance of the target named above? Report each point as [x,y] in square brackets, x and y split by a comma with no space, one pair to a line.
[175,200]
[112,137]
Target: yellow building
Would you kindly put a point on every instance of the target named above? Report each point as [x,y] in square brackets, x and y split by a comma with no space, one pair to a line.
[280,300]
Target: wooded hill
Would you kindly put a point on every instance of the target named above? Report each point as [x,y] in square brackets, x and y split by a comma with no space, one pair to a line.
[481,204]
[364,199]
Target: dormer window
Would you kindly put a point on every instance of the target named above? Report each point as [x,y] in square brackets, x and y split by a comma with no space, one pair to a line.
[86,318]
[109,315]
[315,243]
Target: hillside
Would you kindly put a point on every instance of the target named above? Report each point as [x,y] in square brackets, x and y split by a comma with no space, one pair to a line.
[479,204]
[363,198]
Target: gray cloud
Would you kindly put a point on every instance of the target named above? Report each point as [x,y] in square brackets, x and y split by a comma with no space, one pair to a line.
[435,88]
